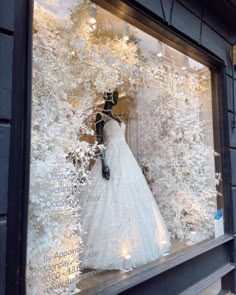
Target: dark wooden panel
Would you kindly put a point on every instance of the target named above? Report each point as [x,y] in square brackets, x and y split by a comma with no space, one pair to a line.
[6,49]
[18,187]
[7,14]
[229,85]
[209,280]
[183,276]
[2,256]
[172,274]
[195,7]
[216,44]
[4,164]
[167,8]
[153,6]
[233,166]
[224,11]
[228,283]
[186,22]
[210,18]
[234,210]
[234,84]
[232,131]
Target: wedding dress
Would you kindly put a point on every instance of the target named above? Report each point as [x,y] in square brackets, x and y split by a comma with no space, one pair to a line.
[120,216]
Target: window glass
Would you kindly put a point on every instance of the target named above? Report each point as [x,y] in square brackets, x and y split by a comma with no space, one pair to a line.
[122,158]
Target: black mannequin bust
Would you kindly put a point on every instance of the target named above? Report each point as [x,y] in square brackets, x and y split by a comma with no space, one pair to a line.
[111,99]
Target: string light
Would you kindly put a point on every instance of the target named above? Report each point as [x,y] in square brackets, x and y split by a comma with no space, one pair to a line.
[185,63]
[159,49]
[126,32]
[92,11]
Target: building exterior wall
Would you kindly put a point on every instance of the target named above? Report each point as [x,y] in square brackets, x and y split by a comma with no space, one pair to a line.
[6,55]
[191,20]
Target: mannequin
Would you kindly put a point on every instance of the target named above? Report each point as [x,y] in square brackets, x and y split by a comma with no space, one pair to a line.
[111,99]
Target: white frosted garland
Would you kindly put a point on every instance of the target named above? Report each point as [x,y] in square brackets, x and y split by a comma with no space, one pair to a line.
[178,164]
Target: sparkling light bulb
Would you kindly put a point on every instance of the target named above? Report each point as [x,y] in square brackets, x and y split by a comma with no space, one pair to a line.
[92,20]
[159,49]
[126,32]
[185,64]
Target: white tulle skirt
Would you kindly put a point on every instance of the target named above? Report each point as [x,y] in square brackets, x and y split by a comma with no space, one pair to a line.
[120,216]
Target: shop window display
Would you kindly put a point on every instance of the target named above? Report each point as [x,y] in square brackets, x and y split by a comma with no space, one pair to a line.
[122,159]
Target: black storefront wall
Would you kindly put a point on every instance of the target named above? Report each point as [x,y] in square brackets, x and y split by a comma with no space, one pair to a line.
[6,54]
[209,26]
[15,87]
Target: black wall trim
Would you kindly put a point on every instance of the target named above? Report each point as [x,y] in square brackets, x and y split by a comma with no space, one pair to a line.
[6,32]
[3,231]
[5,121]
[19,149]
[185,275]
[204,283]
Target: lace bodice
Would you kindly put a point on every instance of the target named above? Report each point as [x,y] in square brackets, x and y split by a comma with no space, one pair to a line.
[113,130]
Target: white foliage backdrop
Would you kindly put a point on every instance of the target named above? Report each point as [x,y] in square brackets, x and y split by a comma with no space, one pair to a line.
[178,163]
[67,75]
[54,230]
